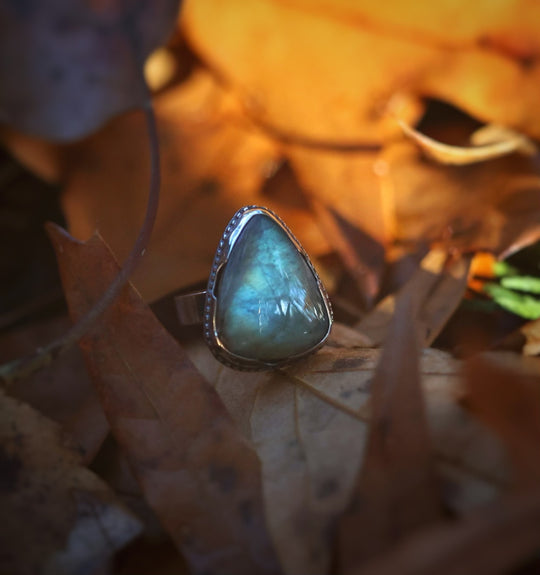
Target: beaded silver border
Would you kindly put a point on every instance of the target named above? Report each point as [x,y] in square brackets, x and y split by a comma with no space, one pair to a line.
[227,242]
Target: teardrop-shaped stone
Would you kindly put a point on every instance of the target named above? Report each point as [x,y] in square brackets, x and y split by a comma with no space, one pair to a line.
[269,305]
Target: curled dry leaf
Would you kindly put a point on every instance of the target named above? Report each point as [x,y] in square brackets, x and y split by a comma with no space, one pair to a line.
[501,144]
[197,473]
[58,517]
[72,66]
[309,426]
[503,390]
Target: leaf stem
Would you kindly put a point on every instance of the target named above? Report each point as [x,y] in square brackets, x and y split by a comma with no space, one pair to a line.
[23,367]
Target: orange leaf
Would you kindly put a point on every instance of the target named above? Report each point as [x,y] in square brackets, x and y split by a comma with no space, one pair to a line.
[341,64]
[212,163]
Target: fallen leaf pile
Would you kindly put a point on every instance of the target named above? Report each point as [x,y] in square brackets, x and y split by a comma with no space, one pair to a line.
[400,144]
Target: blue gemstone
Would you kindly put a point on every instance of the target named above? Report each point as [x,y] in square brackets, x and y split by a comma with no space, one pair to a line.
[269,304]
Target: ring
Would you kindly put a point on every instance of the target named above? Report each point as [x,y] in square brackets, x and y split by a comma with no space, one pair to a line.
[264,306]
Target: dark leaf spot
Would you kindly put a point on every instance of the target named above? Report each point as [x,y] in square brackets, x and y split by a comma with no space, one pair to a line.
[327,488]
[225,477]
[10,468]
[245,508]
[348,363]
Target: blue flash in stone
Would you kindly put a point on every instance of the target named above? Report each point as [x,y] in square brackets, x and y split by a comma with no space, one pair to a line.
[269,304]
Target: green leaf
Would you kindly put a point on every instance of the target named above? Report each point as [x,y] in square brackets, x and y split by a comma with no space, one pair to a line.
[501,269]
[522,305]
[529,284]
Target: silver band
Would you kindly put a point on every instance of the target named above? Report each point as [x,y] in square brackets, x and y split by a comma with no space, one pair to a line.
[190,307]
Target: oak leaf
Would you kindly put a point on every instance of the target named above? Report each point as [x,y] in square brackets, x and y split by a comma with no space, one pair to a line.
[198,474]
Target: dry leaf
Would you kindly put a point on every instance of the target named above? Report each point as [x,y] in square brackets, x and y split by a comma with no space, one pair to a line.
[198,474]
[309,424]
[486,206]
[531,331]
[310,453]
[397,491]
[348,71]
[59,518]
[212,164]
[504,143]
[68,68]
[360,252]
[437,288]
[493,540]
[496,24]
[504,392]
[341,64]
[62,391]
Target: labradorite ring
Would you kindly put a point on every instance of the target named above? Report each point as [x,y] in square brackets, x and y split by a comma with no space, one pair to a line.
[264,306]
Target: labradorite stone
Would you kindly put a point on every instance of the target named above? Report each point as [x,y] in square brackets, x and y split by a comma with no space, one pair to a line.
[269,304]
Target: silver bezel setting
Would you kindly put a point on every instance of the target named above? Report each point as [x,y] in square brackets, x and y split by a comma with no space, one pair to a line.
[226,244]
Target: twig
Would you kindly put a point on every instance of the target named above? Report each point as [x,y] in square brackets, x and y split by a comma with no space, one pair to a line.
[25,366]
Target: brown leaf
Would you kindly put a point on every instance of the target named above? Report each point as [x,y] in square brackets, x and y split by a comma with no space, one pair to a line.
[300,438]
[361,254]
[309,425]
[437,287]
[486,206]
[71,67]
[494,540]
[503,390]
[62,390]
[57,516]
[198,474]
[397,491]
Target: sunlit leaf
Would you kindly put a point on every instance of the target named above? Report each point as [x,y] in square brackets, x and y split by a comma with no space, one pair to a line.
[212,165]
[341,64]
